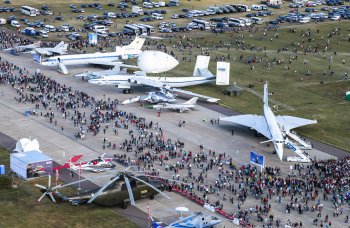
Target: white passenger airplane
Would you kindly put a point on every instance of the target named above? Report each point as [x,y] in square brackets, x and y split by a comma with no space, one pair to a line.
[108,59]
[186,106]
[59,49]
[275,128]
[201,75]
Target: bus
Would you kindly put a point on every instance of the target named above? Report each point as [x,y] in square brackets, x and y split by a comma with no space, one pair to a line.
[150,28]
[30,11]
[143,30]
[202,24]
[132,30]
[236,22]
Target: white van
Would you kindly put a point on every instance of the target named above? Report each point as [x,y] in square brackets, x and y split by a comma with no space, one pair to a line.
[50,28]
[98,28]
[157,16]
[65,28]
[2,21]
[137,9]
[257,20]
[304,20]
[15,23]
[42,33]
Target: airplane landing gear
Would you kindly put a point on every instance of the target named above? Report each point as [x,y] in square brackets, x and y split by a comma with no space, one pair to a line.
[128,91]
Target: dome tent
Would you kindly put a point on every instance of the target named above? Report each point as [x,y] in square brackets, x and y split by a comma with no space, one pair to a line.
[24,145]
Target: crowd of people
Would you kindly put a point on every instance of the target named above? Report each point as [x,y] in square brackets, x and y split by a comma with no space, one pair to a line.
[215,178]
[144,145]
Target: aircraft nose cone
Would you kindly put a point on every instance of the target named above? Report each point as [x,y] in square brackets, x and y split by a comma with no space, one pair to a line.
[156,62]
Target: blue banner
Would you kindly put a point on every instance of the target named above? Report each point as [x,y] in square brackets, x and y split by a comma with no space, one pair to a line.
[37,58]
[92,37]
[257,159]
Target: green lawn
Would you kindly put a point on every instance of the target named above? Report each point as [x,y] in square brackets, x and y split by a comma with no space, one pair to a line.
[26,212]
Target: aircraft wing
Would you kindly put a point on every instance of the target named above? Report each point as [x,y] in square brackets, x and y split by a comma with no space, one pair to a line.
[147,82]
[208,99]
[288,123]
[43,51]
[104,62]
[58,51]
[256,122]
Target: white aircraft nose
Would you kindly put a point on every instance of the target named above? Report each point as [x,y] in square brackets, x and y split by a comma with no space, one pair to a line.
[156,62]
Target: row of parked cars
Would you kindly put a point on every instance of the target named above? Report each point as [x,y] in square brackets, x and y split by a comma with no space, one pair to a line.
[333,14]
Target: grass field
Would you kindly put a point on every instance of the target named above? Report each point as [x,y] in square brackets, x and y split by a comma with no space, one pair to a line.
[308,97]
[20,209]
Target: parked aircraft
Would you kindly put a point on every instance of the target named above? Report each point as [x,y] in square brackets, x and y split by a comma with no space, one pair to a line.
[201,75]
[96,165]
[195,220]
[59,49]
[275,128]
[163,95]
[124,187]
[186,106]
[108,59]
[25,48]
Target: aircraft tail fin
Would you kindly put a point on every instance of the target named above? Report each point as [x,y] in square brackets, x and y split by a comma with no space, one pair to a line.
[266,94]
[137,43]
[60,44]
[75,158]
[192,101]
[64,47]
[201,67]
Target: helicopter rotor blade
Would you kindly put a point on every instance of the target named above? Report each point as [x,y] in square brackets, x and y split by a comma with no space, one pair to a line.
[52,198]
[156,189]
[76,182]
[128,186]
[103,188]
[40,186]
[165,179]
[42,196]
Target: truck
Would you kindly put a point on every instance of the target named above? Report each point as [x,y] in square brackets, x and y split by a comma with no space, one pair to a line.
[137,9]
[174,2]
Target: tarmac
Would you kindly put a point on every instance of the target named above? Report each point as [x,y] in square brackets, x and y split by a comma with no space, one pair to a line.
[61,145]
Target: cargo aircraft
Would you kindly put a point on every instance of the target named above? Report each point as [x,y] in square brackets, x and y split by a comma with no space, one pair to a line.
[201,75]
[107,59]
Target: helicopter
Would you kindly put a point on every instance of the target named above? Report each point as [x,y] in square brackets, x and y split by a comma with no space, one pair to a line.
[122,189]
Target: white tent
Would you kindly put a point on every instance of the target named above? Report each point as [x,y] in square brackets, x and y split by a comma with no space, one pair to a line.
[25,145]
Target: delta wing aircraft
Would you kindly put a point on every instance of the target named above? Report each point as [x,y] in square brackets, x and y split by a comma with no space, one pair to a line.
[275,128]
[25,48]
[59,49]
[186,106]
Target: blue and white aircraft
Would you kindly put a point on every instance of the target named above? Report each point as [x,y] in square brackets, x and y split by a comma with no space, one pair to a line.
[275,128]
[107,59]
[201,75]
